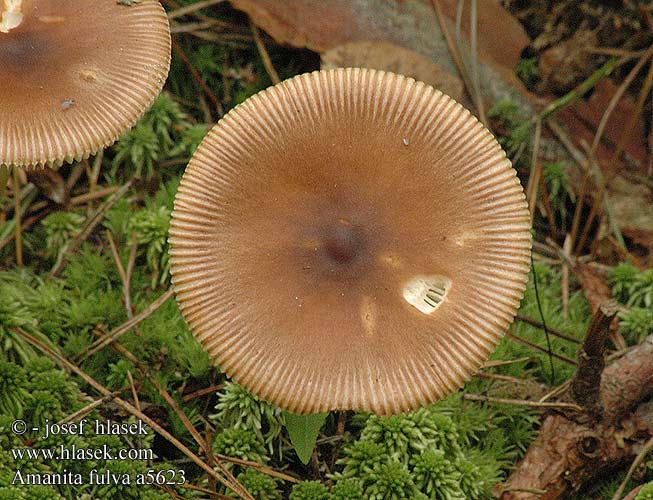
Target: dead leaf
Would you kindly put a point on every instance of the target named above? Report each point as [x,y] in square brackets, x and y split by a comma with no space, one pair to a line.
[390,57]
[411,24]
[50,183]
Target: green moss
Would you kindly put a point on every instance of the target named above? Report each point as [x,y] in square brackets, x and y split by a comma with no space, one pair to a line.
[646,493]
[13,389]
[309,490]
[390,480]
[347,489]
[239,409]
[437,477]
[259,485]
[240,443]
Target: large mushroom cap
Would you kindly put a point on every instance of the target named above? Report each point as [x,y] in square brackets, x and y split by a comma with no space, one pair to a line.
[74,75]
[349,239]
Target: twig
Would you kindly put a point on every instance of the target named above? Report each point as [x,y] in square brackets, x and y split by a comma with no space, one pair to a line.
[586,382]
[555,392]
[265,57]
[493,363]
[564,278]
[646,449]
[457,60]
[597,200]
[166,396]
[189,9]
[581,89]
[73,417]
[550,216]
[87,228]
[473,48]
[95,171]
[540,349]
[210,458]
[129,272]
[521,402]
[121,269]
[198,78]
[202,392]
[18,231]
[502,378]
[536,171]
[206,491]
[639,104]
[27,223]
[75,174]
[552,331]
[234,486]
[115,334]
[137,402]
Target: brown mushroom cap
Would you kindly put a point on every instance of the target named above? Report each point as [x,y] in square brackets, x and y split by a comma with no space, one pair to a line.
[76,75]
[349,239]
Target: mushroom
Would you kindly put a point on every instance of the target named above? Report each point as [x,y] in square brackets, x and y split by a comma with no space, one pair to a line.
[75,76]
[349,239]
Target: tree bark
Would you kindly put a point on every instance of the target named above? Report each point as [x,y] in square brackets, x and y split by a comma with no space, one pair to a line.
[570,454]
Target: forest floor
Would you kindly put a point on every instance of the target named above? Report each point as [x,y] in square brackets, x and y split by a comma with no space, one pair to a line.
[89,328]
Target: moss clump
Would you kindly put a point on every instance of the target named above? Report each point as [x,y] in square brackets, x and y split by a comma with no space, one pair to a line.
[424,453]
[347,489]
[259,485]
[309,490]
[239,409]
[240,443]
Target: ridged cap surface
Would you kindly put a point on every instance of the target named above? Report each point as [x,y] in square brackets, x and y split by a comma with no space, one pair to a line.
[349,239]
[75,75]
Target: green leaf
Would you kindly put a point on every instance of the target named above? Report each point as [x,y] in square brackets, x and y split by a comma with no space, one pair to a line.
[303,430]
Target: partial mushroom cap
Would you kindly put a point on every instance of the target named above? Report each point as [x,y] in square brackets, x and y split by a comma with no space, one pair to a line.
[349,239]
[75,76]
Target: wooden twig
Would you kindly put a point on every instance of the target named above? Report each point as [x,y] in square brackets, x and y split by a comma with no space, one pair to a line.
[457,60]
[522,402]
[536,171]
[598,200]
[95,171]
[198,78]
[579,91]
[74,417]
[530,344]
[116,333]
[552,331]
[265,57]
[90,224]
[550,215]
[234,485]
[190,9]
[586,382]
[570,453]
[202,392]
[646,449]
[166,396]
[18,231]
[493,363]
[564,278]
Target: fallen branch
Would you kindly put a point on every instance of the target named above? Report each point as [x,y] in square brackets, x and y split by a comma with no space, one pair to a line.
[569,455]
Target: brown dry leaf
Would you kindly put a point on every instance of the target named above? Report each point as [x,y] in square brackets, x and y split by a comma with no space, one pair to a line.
[583,117]
[593,281]
[50,183]
[631,203]
[390,57]
[568,63]
[411,24]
